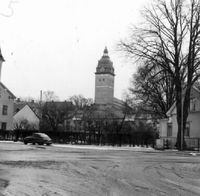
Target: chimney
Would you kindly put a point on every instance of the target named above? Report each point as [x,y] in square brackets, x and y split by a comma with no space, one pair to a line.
[41,96]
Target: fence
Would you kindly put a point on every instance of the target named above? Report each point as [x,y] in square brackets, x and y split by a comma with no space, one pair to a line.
[83,137]
[191,143]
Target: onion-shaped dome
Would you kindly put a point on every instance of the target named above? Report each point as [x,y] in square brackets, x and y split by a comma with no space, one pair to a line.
[105,65]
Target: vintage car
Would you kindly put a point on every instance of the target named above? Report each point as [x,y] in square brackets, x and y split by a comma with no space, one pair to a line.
[38,138]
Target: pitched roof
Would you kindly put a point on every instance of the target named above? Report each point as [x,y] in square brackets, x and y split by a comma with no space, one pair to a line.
[169,112]
[13,96]
[27,105]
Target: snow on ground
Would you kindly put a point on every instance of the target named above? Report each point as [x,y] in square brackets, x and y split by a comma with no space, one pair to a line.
[68,170]
[93,147]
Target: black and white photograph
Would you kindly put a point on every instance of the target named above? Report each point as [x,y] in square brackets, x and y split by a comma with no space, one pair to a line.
[99,98]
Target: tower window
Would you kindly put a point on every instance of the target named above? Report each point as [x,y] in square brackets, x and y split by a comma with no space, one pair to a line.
[103,79]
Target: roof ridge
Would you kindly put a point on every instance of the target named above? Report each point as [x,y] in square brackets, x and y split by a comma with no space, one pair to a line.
[7,90]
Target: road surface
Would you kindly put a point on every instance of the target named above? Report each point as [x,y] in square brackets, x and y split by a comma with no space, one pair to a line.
[31,170]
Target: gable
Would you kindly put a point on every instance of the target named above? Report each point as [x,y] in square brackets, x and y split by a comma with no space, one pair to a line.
[172,110]
[26,113]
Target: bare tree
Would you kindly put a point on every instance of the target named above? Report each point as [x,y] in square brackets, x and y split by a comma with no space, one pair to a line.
[169,38]
[54,114]
[24,124]
[152,90]
[79,101]
[50,96]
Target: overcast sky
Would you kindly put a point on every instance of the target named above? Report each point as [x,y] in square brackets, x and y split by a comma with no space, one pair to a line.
[56,44]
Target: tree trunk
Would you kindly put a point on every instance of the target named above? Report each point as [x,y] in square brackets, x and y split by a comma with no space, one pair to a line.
[182,115]
[179,108]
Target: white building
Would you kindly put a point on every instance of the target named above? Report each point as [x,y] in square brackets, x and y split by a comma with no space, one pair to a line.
[6,103]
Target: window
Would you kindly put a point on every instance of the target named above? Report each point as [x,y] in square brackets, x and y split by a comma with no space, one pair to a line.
[187,130]
[5,110]
[3,125]
[193,105]
[169,129]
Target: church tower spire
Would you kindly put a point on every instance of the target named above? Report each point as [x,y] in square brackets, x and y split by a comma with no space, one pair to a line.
[1,61]
[104,80]
[105,52]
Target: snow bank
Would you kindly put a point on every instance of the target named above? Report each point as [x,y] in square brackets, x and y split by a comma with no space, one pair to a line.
[93,147]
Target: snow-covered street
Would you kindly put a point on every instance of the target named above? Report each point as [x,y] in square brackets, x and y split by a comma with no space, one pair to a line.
[33,170]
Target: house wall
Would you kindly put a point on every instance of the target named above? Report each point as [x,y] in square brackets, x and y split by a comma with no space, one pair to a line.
[174,125]
[193,119]
[5,99]
[163,127]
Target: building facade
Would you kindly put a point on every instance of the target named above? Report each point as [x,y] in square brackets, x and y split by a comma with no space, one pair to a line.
[104,80]
[6,103]
[6,108]
[168,128]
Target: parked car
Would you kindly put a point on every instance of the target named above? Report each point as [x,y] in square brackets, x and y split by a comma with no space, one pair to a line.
[38,138]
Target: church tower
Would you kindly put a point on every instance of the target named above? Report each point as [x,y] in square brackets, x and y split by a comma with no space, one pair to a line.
[104,80]
[1,61]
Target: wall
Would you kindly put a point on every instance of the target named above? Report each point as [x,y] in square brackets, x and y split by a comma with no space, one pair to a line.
[163,127]
[104,88]
[5,100]
[193,119]
[174,125]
